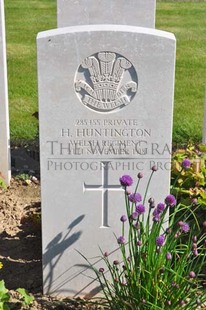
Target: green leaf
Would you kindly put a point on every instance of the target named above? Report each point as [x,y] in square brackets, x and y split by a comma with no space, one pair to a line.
[3,306]
[2,183]
[27,298]
[6,307]
[4,296]
[202,148]
[202,202]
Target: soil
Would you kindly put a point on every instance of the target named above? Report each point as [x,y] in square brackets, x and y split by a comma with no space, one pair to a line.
[20,247]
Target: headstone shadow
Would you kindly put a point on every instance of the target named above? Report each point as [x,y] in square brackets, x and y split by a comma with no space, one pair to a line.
[55,249]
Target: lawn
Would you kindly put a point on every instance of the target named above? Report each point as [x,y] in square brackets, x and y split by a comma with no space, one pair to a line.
[24,19]
[187,20]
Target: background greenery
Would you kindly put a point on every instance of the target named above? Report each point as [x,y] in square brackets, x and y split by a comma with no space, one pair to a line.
[187,20]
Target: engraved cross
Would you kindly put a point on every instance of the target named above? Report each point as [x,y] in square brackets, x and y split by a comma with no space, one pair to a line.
[104,188]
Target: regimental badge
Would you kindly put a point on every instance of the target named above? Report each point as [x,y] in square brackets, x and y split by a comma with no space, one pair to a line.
[106,82]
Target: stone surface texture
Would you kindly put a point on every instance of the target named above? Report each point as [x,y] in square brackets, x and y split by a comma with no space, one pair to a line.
[131,12]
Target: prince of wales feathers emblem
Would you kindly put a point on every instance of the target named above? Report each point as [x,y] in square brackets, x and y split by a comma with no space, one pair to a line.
[104,90]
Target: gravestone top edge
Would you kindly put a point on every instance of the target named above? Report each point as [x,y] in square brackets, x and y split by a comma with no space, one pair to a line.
[116,28]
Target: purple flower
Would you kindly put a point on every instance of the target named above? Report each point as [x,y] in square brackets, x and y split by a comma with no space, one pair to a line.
[134,215]
[186,163]
[185,227]
[140,209]
[156,215]
[192,274]
[101,270]
[139,242]
[123,218]
[135,197]
[168,256]
[170,201]
[106,254]
[126,180]
[121,240]
[160,207]
[156,218]
[155,212]
[160,240]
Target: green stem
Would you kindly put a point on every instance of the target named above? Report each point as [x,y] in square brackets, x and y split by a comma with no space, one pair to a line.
[147,187]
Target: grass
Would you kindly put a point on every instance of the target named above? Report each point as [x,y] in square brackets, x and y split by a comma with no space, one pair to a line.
[25,18]
[187,21]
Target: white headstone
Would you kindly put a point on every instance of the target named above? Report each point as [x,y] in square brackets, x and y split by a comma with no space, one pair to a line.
[120,12]
[5,169]
[105,109]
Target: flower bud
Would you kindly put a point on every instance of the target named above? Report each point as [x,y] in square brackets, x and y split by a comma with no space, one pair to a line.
[123,218]
[194,246]
[140,175]
[195,252]
[194,202]
[139,242]
[121,240]
[194,238]
[192,274]
[116,262]
[168,256]
[154,168]
[151,200]
[182,302]
[168,231]
[134,215]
